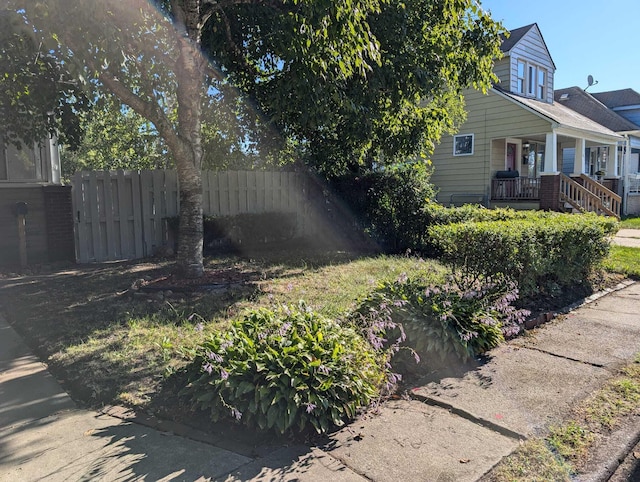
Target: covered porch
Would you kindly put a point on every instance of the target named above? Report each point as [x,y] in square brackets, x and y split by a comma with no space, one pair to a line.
[565,169]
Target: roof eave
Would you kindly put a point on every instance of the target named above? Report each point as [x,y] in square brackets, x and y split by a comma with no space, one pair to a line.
[555,125]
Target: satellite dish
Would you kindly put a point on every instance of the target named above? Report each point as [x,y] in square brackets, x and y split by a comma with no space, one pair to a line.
[590,81]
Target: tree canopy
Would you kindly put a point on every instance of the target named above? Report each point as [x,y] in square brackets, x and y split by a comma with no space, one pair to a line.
[38,97]
[349,83]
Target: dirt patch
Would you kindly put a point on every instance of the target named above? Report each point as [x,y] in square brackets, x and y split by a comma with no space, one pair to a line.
[213,279]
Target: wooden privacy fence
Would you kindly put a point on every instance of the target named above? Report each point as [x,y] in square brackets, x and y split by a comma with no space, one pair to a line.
[121,214]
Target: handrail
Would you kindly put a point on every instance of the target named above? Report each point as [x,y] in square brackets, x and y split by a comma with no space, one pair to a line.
[581,198]
[609,198]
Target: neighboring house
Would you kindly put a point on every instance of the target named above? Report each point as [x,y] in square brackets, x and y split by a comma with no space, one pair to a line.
[626,102]
[509,150]
[36,217]
[611,117]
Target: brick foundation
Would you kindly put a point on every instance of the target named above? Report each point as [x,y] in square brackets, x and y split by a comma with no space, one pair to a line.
[550,192]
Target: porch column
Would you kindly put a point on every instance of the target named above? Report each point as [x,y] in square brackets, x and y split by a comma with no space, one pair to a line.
[612,162]
[551,153]
[578,162]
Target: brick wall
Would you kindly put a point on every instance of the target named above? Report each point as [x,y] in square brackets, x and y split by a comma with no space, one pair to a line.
[550,192]
[59,220]
[48,224]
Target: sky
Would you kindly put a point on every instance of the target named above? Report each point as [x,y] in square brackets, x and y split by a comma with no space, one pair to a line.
[584,38]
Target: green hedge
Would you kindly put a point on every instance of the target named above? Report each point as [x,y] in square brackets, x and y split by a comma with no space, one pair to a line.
[537,250]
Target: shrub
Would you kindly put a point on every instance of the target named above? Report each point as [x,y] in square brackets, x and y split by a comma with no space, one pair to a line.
[389,203]
[435,213]
[441,321]
[537,250]
[285,370]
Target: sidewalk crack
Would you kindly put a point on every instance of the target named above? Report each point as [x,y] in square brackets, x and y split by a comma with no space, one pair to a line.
[564,357]
[468,416]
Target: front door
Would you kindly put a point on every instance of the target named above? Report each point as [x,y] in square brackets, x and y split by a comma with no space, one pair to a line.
[512,151]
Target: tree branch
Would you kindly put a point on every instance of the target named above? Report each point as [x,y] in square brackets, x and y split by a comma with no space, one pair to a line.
[148,110]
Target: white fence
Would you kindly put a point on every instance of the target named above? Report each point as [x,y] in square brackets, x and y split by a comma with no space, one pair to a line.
[120,214]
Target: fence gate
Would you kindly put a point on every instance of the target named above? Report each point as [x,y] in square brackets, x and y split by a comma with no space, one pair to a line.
[121,214]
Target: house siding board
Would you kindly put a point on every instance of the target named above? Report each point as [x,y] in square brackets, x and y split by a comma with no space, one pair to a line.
[632,115]
[498,154]
[502,69]
[493,117]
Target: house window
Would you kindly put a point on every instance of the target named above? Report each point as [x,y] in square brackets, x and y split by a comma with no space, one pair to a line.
[463,145]
[541,83]
[532,80]
[23,164]
[521,76]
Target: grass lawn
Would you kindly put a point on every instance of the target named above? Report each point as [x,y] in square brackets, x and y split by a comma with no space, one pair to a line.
[624,260]
[630,223]
[109,346]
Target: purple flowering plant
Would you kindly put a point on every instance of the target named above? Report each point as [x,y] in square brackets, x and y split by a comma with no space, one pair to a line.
[286,369]
[453,318]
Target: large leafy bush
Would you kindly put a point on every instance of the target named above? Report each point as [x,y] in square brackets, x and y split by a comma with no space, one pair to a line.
[389,203]
[285,370]
[448,320]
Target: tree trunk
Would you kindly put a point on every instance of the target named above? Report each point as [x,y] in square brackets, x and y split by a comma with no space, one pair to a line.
[188,152]
[190,261]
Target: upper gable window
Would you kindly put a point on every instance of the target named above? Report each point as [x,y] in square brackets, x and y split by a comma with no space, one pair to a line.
[532,80]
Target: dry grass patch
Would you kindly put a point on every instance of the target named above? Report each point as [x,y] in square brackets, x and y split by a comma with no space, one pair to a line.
[108,346]
[533,461]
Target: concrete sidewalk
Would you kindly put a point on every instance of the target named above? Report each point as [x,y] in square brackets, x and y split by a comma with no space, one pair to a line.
[452,429]
[627,237]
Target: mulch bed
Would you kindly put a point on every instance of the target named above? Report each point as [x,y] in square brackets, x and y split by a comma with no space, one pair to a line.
[211,280]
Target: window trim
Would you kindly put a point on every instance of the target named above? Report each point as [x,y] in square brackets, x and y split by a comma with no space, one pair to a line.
[529,85]
[459,147]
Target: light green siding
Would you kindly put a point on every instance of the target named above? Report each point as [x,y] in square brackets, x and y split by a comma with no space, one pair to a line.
[490,118]
[502,69]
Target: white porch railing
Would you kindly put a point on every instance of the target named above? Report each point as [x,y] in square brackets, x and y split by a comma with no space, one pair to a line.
[633,183]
